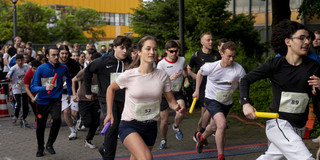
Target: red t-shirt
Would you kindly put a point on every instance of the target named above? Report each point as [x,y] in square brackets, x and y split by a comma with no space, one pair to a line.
[28,78]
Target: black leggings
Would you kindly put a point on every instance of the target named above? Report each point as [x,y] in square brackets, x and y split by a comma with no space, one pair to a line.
[25,108]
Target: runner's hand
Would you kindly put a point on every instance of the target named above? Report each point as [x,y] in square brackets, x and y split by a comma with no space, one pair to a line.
[195,94]
[180,108]
[108,118]
[248,111]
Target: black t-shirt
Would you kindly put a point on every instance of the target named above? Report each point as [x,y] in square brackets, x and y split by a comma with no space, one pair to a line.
[284,78]
[196,61]
[199,58]
[73,68]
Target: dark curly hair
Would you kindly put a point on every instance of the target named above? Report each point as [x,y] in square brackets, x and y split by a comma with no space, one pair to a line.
[281,31]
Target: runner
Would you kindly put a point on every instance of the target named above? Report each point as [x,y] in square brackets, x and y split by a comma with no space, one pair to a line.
[293,77]
[144,86]
[223,77]
[175,67]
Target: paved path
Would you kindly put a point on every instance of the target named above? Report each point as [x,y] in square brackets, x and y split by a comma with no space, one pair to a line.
[20,144]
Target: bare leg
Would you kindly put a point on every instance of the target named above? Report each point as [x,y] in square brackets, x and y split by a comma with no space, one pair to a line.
[164,123]
[138,149]
[179,116]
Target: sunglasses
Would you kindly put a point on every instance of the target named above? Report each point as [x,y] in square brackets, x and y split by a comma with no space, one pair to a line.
[173,51]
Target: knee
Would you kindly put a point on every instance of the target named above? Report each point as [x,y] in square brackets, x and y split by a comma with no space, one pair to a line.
[221,126]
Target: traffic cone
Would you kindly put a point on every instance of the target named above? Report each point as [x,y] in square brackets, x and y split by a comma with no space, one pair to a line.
[3,104]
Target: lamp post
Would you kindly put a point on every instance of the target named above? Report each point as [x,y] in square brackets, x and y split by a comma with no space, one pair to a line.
[14,18]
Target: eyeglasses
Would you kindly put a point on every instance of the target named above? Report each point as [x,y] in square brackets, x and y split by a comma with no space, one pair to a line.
[302,38]
[173,51]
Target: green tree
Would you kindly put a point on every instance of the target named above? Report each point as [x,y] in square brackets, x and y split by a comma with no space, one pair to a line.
[160,18]
[40,24]
[32,22]
[309,9]
[87,20]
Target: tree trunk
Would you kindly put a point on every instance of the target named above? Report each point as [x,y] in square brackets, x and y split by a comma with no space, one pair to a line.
[280,11]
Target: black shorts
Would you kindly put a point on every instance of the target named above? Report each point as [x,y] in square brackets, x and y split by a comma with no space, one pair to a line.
[215,107]
[164,103]
[146,129]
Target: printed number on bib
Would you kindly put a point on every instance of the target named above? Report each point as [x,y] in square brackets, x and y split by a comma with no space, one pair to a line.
[176,85]
[94,89]
[147,111]
[46,81]
[292,102]
[223,96]
[113,77]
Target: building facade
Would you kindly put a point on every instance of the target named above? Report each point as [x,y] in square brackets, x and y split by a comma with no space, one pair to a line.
[116,13]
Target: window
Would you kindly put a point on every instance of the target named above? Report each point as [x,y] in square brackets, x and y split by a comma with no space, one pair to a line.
[122,20]
[112,19]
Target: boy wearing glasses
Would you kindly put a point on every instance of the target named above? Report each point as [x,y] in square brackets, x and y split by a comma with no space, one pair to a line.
[206,54]
[174,66]
[294,78]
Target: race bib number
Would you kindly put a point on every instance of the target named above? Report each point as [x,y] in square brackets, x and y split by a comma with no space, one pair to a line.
[223,96]
[176,86]
[113,77]
[147,111]
[46,81]
[292,102]
[94,89]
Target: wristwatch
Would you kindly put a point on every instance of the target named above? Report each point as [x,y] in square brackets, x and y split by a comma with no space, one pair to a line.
[244,100]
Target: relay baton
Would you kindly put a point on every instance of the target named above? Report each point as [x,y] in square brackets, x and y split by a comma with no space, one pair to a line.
[266,115]
[193,104]
[53,80]
[105,128]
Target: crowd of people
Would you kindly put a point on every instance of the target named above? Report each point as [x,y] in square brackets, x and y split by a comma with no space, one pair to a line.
[130,87]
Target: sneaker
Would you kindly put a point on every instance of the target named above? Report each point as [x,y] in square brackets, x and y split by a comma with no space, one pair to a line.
[316,140]
[101,150]
[78,125]
[73,135]
[14,119]
[82,127]
[199,143]
[89,144]
[39,153]
[163,144]
[50,150]
[205,143]
[179,134]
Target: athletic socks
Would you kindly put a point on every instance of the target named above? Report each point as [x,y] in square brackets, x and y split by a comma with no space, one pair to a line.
[220,156]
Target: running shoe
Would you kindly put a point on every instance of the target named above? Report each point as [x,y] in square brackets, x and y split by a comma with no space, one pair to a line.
[179,134]
[316,140]
[39,153]
[50,150]
[163,144]
[194,137]
[14,119]
[205,143]
[73,135]
[89,144]
[78,125]
[199,146]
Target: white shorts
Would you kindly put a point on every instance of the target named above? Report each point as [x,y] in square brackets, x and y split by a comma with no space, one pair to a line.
[285,141]
[64,101]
